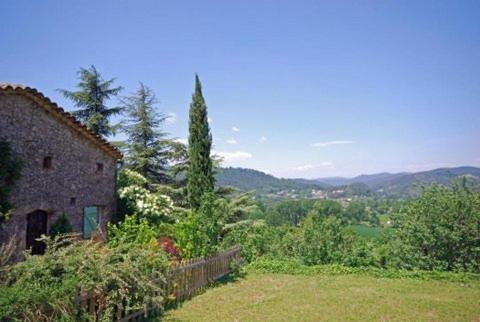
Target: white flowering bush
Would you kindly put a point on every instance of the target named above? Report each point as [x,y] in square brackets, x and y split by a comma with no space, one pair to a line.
[138,200]
[127,177]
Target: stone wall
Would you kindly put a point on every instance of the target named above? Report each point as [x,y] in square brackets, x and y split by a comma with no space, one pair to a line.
[73,181]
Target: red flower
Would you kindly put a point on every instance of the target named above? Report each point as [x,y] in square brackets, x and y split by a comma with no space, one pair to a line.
[167,244]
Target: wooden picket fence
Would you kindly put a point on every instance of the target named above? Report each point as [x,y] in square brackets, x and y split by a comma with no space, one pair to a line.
[184,280]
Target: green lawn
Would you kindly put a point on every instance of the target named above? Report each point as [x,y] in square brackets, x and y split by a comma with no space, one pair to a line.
[278,297]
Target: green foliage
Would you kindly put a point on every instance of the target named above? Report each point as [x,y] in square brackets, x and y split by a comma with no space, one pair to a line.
[324,240]
[370,233]
[132,231]
[258,240]
[295,267]
[438,231]
[137,199]
[43,288]
[327,208]
[61,226]
[262,183]
[240,206]
[290,212]
[356,212]
[10,172]
[91,98]
[148,149]
[127,178]
[200,175]
[255,239]
[319,240]
[198,234]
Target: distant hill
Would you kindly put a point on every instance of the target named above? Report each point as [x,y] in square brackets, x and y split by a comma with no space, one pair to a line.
[368,179]
[249,179]
[408,184]
[402,184]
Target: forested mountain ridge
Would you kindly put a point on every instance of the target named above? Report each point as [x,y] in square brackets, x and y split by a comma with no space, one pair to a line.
[249,179]
[402,184]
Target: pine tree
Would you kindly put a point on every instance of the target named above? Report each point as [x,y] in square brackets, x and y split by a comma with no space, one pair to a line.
[148,149]
[200,178]
[91,97]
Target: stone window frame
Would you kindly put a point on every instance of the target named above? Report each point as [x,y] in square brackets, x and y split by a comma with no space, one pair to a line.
[100,168]
[47,162]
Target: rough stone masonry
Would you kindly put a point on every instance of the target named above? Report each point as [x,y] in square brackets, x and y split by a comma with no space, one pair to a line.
[66,167]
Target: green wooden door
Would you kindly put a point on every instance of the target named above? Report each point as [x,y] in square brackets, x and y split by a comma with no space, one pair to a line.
[90,221]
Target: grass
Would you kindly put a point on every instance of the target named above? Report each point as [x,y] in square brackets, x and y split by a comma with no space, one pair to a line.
[321,297]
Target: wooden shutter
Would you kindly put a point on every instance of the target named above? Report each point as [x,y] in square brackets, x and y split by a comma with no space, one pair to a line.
[90,221]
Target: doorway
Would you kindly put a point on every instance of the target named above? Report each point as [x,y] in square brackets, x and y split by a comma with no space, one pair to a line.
[36,227]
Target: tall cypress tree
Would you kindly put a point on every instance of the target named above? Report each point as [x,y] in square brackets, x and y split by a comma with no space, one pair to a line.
[148,149]
[200,175]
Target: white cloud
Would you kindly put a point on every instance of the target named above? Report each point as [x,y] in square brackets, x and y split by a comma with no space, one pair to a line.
[263,139]
[304,167]
[180,140]
[235,129]
[171,118]
[209,119]
[237,156]
[307,167]
[231,141]
[329,143]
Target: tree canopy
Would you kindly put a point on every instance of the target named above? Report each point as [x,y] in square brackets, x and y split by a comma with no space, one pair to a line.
[91,99]
[148,149]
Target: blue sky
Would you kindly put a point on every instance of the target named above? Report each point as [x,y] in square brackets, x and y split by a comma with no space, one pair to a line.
[294,88]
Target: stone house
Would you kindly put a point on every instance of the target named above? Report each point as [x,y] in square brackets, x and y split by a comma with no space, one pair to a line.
[67,169]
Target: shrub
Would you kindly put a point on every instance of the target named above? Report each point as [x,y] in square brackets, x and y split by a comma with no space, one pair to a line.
[438,231]
[255,239]
[295,267]
[167,244]
[258,239]
[199,233]
[131,231]
[10,172]
[137,199]
[44,287]
[325,240]
[61,226]
[290,212]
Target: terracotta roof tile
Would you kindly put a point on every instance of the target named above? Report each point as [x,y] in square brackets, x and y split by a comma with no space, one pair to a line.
[66,117]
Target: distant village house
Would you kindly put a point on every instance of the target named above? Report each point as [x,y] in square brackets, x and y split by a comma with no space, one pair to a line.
[67,169]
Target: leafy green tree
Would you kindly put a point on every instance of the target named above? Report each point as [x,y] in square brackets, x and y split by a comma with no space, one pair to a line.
[324,240]
[10,172]
[438,231]
[289,212]
[148,149]
[327,208]
[91,99]
[239,206]
[200,178]
[355,212]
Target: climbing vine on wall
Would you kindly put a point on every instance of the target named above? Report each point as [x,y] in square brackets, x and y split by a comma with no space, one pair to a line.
[10,172]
